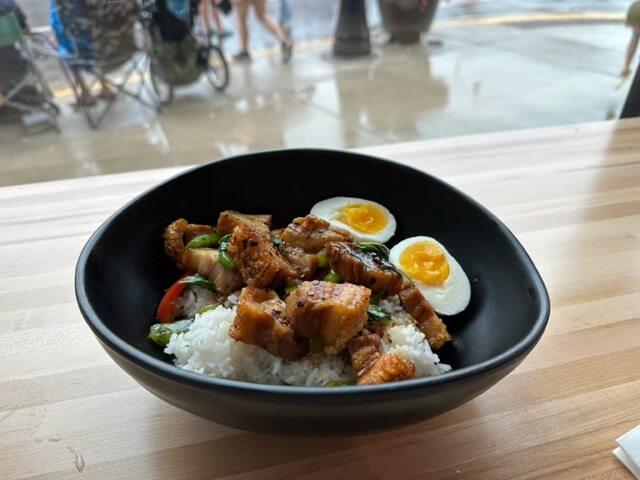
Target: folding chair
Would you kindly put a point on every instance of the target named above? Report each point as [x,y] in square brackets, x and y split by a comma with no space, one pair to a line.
[11,34]
[110,54]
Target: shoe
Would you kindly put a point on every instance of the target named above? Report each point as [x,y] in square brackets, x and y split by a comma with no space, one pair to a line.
[287,30]
[287,50]
[242,56]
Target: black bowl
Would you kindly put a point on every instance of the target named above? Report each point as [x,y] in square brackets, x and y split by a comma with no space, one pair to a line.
[122,272]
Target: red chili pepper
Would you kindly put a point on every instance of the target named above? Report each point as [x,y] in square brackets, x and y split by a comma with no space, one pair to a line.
[167,307]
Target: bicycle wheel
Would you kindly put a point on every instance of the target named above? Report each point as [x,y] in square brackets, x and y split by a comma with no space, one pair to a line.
[218,70]
[163,90]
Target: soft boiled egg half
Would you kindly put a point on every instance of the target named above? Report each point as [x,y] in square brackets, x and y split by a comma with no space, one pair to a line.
[438,275]
[365,220]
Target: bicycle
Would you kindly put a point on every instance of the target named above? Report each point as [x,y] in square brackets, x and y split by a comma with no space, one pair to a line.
[180,62]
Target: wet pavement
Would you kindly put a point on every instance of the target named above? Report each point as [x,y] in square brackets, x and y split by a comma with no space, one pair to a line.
[486,66]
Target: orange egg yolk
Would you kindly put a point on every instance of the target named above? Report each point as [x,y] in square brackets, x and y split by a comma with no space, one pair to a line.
[364,217]
[425,261]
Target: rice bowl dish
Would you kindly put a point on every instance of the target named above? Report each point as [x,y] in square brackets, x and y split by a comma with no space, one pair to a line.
[309,304]
[207,348]
[123,273]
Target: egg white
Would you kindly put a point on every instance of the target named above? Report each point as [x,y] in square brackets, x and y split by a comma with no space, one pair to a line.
[449,298]
[329,210]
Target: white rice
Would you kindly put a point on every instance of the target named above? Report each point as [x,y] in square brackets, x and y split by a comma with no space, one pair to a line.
[208,349]
[406,341]
[193,299]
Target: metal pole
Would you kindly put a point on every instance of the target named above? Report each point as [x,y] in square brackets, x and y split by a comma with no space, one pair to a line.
[632,104]
[352,32]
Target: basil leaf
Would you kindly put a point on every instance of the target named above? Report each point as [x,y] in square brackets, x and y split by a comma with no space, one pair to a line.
[374,247]
[377,314]
[376,297]
[197,280]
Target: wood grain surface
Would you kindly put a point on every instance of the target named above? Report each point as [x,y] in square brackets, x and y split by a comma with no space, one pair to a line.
[572,196]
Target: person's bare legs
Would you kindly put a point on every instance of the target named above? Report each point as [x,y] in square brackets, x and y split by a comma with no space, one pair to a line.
[269,22]
[217,21]
[204,10]
[274,27]
[242,7]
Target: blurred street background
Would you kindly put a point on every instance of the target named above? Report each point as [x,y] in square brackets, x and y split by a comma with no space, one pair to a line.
[485,65]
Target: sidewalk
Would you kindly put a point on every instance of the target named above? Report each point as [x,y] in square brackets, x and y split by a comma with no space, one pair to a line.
[482,77]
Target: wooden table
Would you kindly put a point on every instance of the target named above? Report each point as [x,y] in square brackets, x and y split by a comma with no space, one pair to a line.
[572,196]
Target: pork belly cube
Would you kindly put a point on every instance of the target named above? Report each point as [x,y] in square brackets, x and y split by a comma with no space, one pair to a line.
[205,261]
[176,236]
[311,234]
[257,259]
[385,369]
[363,348]
[426,318]
[228,220]
[259,321]
[333,312]
[372,366]
[305,264]
[362,268]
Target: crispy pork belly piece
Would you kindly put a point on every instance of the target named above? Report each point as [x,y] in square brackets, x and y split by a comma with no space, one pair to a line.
[305,264]
[229,219]
[178,234]
[362,268]
[257,259]
[334,312]
[363,349]
[372,366]
[205,261]
[311,234]
[426,318]
[385,369]
[198,260]
[259,321]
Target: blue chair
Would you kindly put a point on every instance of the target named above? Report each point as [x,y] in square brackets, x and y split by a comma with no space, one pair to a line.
[96,44]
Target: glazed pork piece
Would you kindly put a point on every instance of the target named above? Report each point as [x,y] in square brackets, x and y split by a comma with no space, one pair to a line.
[364,348]
[426,318]
[205,261]
[311,234]
[257,259]
[259,321]
[372,366]
[363,268]
[178,234]
[333,312]
[198,260]
[305,264]
[229,219]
